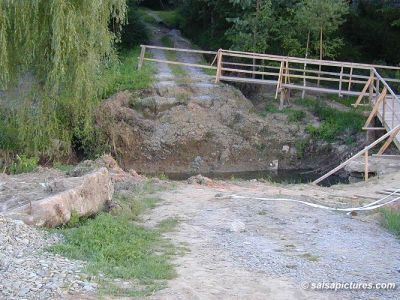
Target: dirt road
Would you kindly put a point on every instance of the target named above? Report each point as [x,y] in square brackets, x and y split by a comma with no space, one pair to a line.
[250,249]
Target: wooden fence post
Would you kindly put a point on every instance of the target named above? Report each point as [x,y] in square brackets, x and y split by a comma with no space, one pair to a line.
[366,171]
[278,86]
[141,58]
[219,66]
[371,86]
[340,82]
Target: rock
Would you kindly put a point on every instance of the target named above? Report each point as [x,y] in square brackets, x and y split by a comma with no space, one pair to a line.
[87,198]
[285,149]
[199,179]
[237,226]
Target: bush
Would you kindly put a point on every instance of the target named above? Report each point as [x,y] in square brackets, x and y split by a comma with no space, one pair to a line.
[296,115]
[171,18]
[134,32]
[391,220]
[23,164]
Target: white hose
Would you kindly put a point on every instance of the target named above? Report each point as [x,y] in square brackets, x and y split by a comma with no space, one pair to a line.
[370,206]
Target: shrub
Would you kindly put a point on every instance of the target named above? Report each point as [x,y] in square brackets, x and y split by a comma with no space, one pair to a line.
[23,164]
[391,220]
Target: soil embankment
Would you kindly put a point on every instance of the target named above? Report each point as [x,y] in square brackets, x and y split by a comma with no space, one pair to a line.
[188,124]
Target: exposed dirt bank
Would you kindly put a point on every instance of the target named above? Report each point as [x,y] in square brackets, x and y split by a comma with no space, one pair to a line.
[189,124]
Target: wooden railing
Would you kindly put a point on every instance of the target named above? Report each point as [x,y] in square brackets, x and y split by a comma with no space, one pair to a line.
[316,76]
[389,136]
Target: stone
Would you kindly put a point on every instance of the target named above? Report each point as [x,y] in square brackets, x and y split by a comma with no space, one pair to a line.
[285,149]
[87,198]
[237,226]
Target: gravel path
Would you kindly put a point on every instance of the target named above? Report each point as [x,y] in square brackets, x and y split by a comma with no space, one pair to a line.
[274,248]
[27,271]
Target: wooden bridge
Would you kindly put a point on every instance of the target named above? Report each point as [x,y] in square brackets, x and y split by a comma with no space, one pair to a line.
[373,85]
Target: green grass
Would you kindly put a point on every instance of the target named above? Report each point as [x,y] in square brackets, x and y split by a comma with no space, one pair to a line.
[346,101]
[391,220]
[125,75]
[147,17]
[118,248]
[333,121]
[171,18]
[115,245]
[293,114]
[310,257]
[177,70]
[23,164]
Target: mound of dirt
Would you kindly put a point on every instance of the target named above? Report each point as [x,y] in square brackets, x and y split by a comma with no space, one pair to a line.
[197,128]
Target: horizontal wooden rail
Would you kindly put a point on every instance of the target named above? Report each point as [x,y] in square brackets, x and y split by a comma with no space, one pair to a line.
[180,50]
[180,63]
[312,61]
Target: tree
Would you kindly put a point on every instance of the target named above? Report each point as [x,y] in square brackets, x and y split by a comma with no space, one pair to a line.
[251,30]
[64,45]
[321,19]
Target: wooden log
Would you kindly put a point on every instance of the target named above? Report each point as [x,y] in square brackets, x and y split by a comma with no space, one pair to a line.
[342,165]
[364,90]
[388,142]
[376,107]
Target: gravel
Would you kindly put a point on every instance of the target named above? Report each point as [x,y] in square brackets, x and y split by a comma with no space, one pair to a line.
[309,246]
[28,271]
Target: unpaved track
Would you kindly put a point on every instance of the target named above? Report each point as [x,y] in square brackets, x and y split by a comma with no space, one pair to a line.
[283,245]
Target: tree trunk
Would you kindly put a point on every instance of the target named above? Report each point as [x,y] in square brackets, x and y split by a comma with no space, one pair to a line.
[320,55]
[305,64]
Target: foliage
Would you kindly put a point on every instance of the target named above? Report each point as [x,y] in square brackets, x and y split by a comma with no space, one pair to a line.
[334,122]
[23,164]
[118,248]
[171,18]
[250,30]
[293,114]
[114,244]
[391,220]
[134,32]
[59,50]
[124,75]
[321,19]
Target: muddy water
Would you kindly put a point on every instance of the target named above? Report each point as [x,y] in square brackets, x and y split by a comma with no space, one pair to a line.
[281,176]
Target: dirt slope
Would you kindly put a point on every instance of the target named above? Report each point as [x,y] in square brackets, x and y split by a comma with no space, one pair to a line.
[191,124]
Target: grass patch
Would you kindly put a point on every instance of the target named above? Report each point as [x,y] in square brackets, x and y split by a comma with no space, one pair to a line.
[293,114]
[23,164]
[118,248]
[391,220]
[115,246]
[147,17]
[168,225]
[310,257]
[177,70]
[171,18]
[125,76]
[333,121]
[346,101]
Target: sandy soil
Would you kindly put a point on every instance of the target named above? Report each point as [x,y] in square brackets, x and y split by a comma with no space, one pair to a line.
[282,246]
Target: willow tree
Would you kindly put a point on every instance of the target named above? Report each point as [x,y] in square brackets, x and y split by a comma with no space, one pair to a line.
[64,45]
